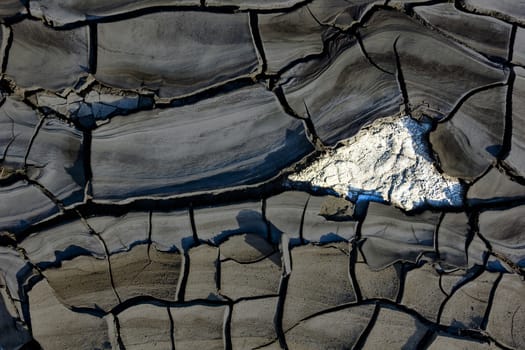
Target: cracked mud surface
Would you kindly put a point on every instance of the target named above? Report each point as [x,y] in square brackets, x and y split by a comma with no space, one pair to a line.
[281,174]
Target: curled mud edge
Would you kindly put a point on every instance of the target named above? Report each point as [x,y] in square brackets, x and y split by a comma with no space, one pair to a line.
[386,161]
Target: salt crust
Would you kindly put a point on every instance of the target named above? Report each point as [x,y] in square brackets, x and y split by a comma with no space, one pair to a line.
[387,161]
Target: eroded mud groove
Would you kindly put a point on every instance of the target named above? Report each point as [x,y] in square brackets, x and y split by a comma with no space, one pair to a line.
[240,174]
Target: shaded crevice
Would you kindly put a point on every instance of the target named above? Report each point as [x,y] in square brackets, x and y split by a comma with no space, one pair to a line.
[93,48]
[172,328]
[281,97]
[262,258]
[511,173]
[8,145]
[227,327]
[490,302]
[87,142]
[473,224]
[366,332]
[46,193]
[436,236]
[183,277]
[352,260]
[146,299]
[512,41]
[404,270]
[311,133]
[33,138]
[267,222]
[150,224]
[427,339]
[257,41]
[441,274]
[255,297]
[191,213]
[401,81]
[206,93]
[507,133]
[513,266]
[7,49]
[301,224]
[217,264]
[120,343]
[279,313]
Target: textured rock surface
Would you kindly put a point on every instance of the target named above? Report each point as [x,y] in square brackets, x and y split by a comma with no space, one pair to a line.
[396,169]
[278,174]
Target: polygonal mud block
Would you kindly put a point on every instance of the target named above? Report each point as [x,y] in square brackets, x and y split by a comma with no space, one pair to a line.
[313,287]
[66,329]
[41,57]
[243,280]
[390,235]
[494,186]
[144,52]
[252,323]
[484,34]
[452,237]
[507,317]
[202,274]
[199,326]
[467,306]
[171,231]
[83,282]
[505,230]
[383,284]
[425,298]
[339,329]
[144,271]
[475,133]
[394,329]
[516,157]
[249,267]
[145,326]
[287,37]
[204,146]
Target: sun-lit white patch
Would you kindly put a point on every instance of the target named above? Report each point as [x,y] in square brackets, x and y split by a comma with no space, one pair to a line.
[385,161]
